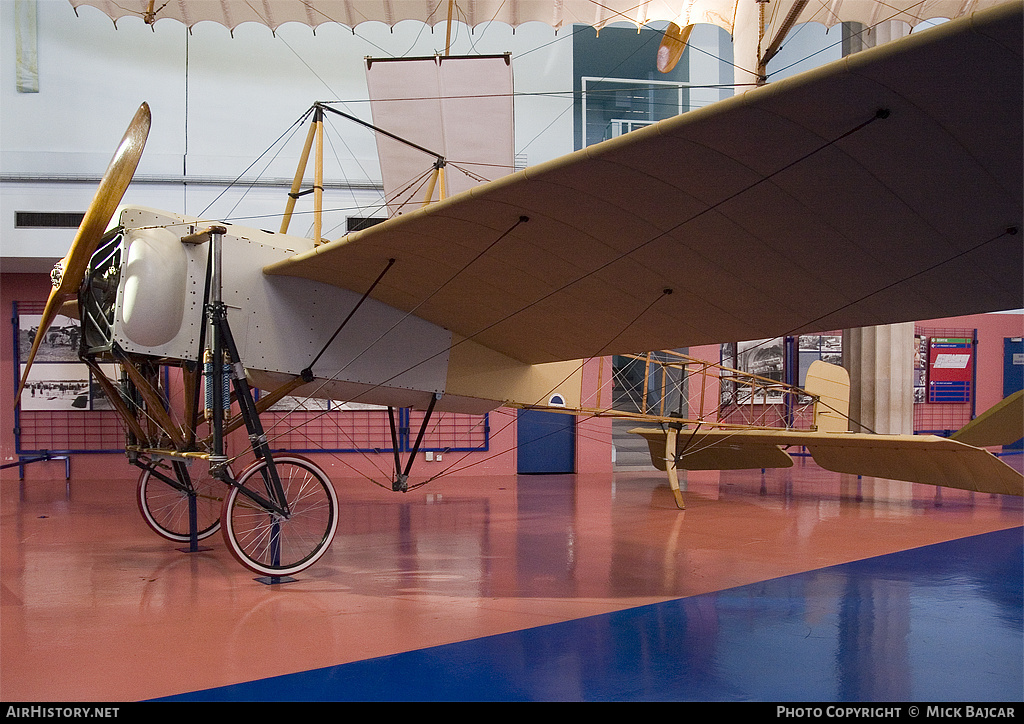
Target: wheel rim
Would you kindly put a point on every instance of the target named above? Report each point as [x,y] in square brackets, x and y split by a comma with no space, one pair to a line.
[252,533]
[165,509]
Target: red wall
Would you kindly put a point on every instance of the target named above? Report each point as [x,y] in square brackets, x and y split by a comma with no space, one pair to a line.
[22,288]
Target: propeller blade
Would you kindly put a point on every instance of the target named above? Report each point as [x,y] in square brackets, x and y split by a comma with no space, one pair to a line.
[108,196]
[94,225]
[672,46]
[70,309]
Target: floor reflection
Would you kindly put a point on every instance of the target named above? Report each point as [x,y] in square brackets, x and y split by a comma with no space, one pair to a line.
[783,585]
[867,631]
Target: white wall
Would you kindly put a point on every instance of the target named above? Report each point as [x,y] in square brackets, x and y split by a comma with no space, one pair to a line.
[220,100]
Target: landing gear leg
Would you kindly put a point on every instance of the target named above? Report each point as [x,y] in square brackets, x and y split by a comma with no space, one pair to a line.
[671,436]
[282,513]
[400,484]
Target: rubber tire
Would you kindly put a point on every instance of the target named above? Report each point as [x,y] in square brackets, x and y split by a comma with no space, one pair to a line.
[165,509]
[305,536]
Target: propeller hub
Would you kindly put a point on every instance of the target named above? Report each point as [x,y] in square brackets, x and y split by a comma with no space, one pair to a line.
[57,273]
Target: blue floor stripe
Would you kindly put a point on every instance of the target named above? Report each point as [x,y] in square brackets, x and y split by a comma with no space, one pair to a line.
[938,623]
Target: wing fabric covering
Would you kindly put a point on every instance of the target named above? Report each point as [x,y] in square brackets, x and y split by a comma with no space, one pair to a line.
[275,13]
[880,188]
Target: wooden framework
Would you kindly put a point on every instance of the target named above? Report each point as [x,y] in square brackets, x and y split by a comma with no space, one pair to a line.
[315,139]
[669,374]
[280,513]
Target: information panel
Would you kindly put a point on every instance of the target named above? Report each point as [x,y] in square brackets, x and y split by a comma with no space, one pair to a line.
[950,369]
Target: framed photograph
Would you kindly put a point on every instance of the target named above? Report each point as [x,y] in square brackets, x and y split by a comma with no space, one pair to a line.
[764,358]
[97,397]
[59,343]
[56,386]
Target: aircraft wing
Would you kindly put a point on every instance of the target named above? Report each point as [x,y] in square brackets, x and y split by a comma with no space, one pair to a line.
[275,13]
[881,188]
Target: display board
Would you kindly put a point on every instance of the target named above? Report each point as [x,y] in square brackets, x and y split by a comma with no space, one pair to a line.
[945,363]
[950,369]
[62,408]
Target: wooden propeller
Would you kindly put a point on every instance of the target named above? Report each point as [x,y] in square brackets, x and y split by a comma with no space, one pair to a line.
[672,46]
[94,224]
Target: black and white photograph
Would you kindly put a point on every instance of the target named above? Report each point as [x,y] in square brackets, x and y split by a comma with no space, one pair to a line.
[764,358]
[56,386]
[59,344]
[98,399]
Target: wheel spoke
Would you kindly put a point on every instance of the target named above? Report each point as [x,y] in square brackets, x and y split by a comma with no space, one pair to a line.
[301,538]
[166,509]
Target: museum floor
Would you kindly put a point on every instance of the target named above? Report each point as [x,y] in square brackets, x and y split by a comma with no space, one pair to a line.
[794,585]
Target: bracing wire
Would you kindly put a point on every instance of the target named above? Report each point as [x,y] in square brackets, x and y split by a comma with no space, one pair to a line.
[291,130]
[798,160]
[524,219]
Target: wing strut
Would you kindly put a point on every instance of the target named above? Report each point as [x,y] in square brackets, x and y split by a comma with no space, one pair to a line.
[316,136]
[308,372]
[671,436]
[773,47]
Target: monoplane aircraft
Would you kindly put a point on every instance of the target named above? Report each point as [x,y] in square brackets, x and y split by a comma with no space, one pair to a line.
[882,188]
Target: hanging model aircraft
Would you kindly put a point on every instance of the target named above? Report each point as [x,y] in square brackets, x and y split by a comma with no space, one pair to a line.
[881,188]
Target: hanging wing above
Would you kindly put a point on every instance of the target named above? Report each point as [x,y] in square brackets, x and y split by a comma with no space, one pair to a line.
[881,188]
[596,13]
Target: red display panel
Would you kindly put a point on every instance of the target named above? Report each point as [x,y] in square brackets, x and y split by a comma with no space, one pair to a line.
[950,369]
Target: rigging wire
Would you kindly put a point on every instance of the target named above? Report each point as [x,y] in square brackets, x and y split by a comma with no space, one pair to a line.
[879,115]
[578,369]
[523,219]
[637,50]
[656,33]
[291,130]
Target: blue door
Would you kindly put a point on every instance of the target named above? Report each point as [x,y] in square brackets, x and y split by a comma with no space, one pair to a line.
[1013,374]
[547,442]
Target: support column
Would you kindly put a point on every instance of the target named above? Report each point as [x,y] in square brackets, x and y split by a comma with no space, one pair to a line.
[880,361]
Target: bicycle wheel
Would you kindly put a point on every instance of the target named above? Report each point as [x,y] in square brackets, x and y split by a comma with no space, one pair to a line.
[268,543]
[165,508]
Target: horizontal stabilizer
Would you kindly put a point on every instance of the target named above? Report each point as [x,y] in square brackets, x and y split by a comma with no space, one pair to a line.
[1001,424]
[923,459]
[702,454]
[919,459]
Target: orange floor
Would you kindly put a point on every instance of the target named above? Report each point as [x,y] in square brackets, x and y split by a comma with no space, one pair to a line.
[95,607]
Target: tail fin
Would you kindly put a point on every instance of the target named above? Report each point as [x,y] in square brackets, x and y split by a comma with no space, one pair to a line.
[1001,424]
[831,384]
